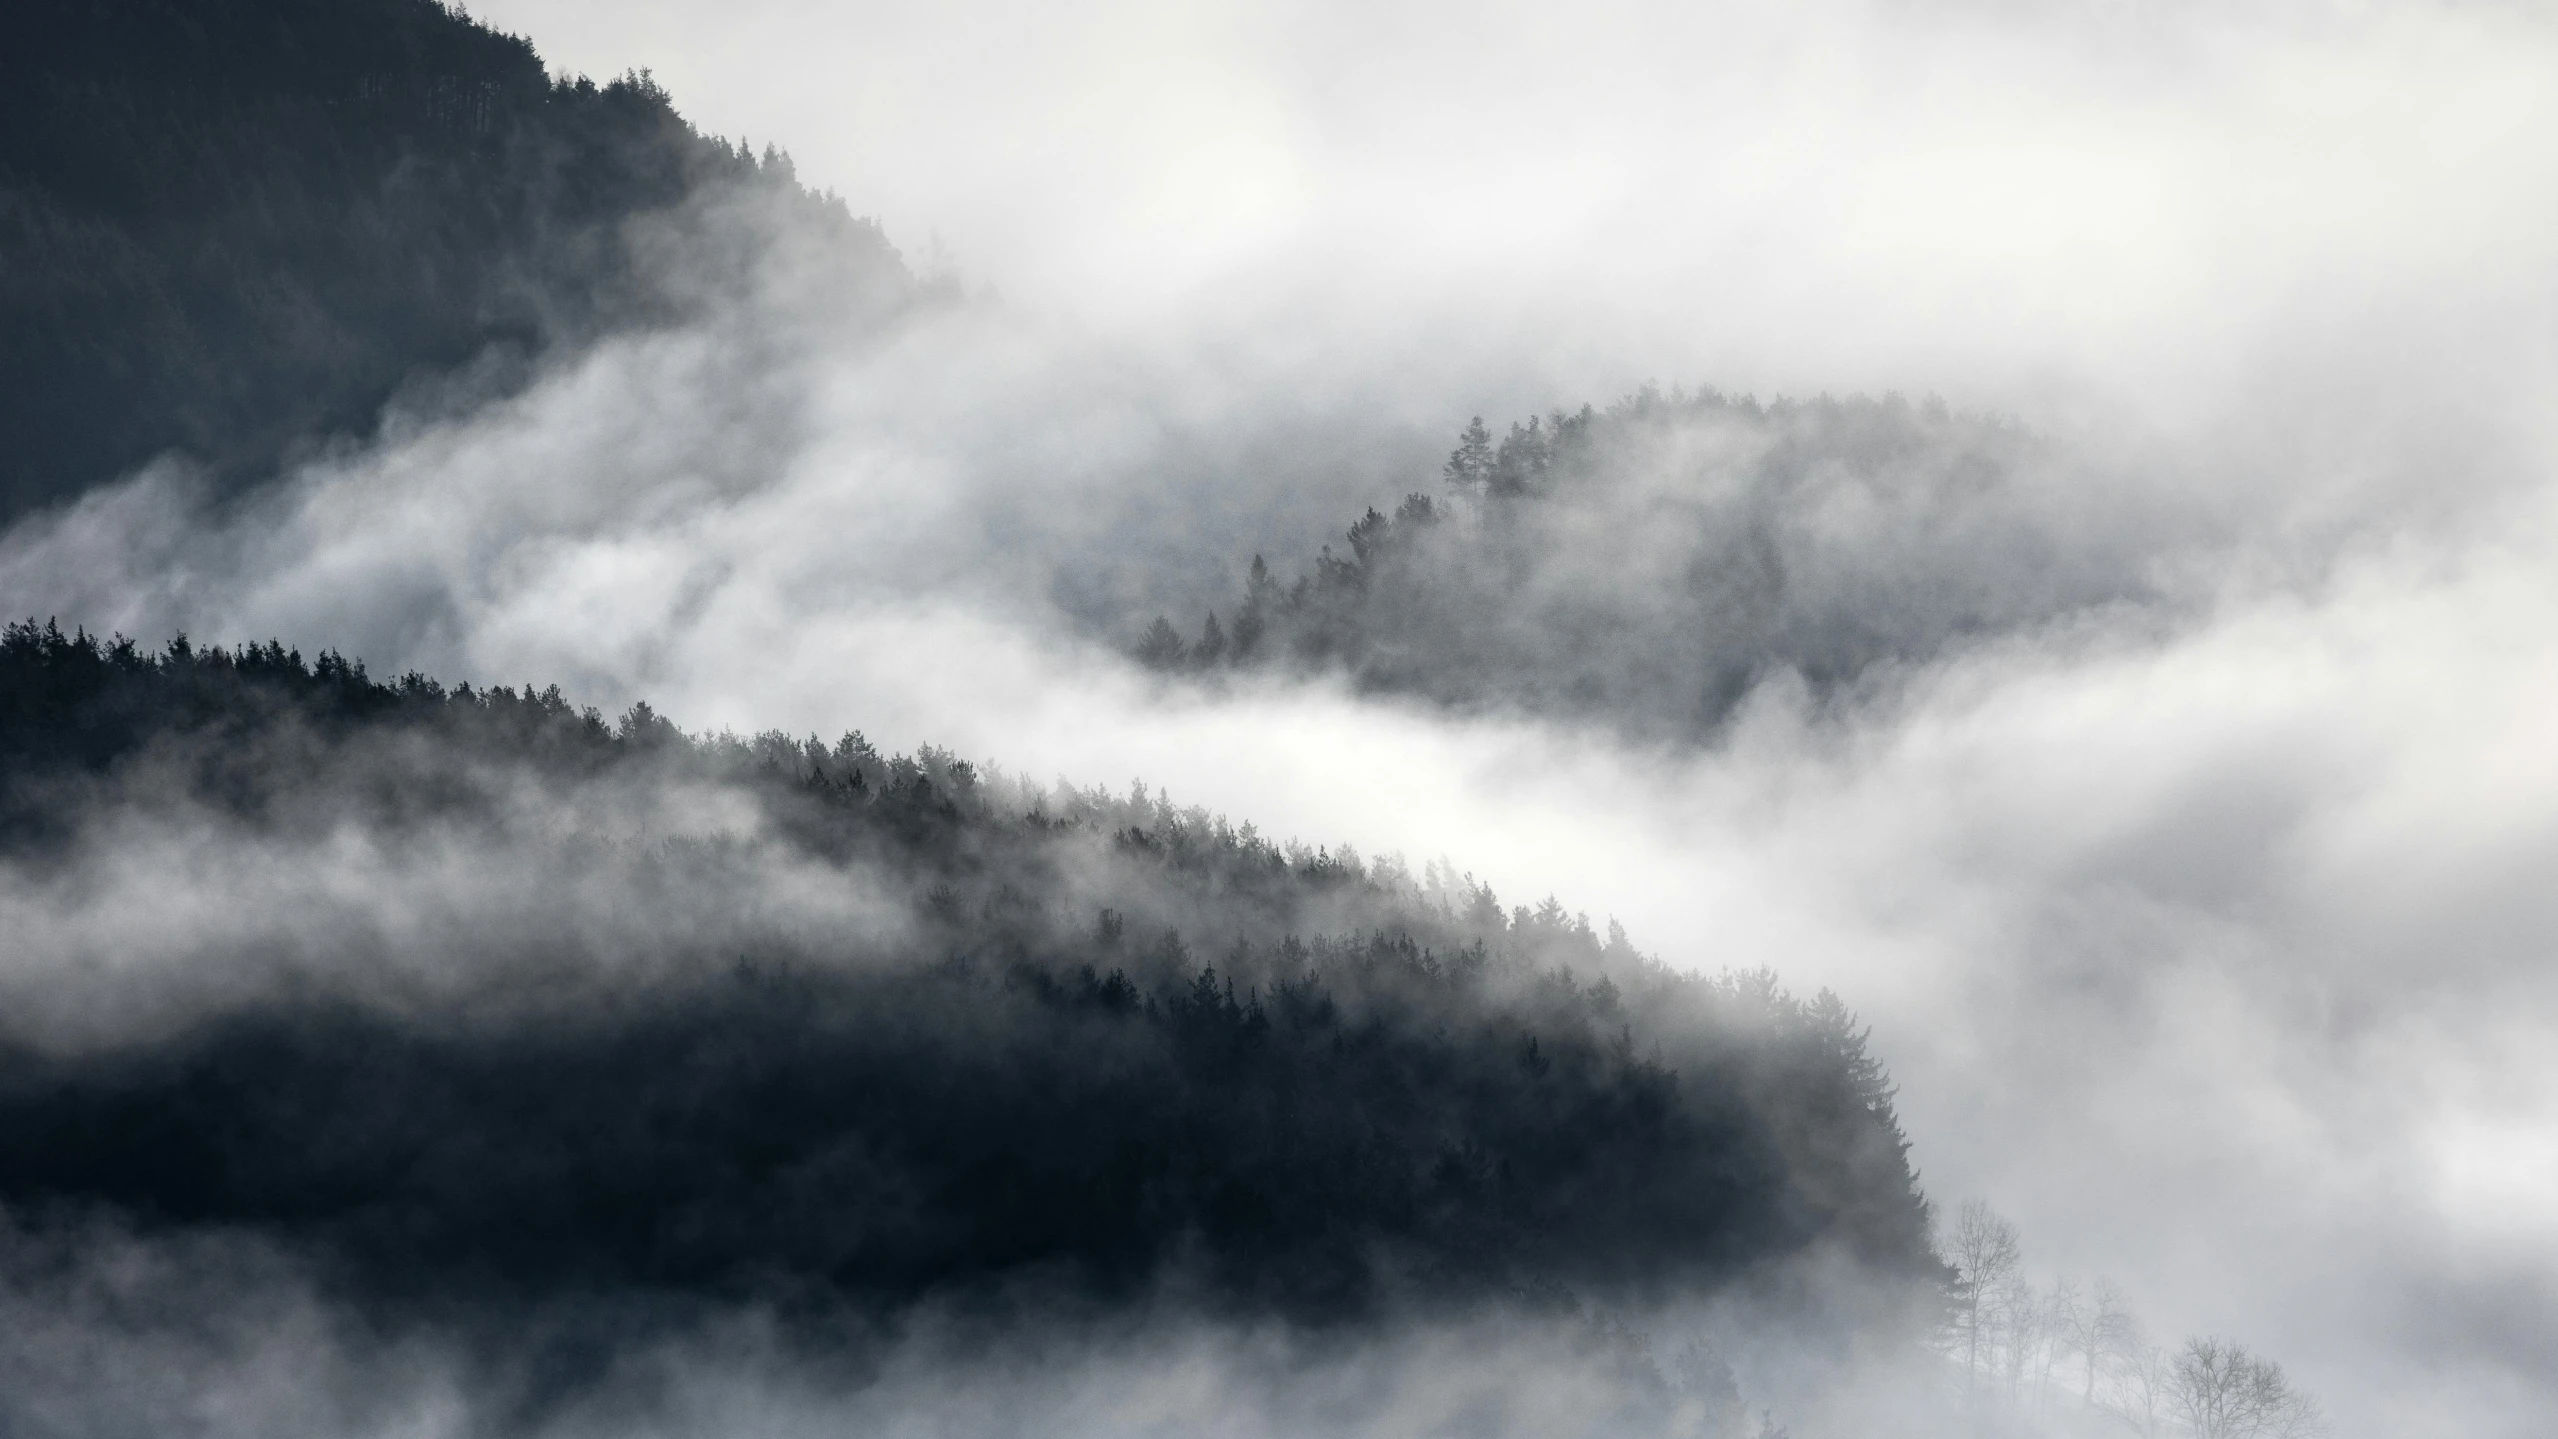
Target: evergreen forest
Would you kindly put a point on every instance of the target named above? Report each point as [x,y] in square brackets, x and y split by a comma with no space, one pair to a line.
[1647,567]
[232,230]
[900,1029]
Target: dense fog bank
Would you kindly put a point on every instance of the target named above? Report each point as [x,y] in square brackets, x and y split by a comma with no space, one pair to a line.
[129,1336]
[2169,789]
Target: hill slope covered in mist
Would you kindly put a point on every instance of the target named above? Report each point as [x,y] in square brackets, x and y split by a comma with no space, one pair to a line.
[1649,565]
[467,996]
[229,227]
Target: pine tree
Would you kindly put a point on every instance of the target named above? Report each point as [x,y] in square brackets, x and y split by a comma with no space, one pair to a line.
[1470,464]
[1161,646]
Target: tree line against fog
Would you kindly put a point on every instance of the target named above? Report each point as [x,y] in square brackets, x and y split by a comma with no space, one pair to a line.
[1099,1039]
[1648,566]
[2075,1357]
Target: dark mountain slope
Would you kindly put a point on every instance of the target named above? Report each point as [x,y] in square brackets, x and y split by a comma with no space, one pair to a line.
[228,226]
[892,1030]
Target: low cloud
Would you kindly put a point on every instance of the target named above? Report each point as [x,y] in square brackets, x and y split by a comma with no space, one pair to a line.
[2205,939]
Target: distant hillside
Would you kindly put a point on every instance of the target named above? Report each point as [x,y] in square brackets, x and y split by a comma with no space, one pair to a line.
[227,226]
[889,1028]
[1648,565]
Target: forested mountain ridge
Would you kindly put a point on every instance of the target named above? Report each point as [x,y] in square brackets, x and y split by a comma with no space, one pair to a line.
[1648,565]
[228,227]
[892,1028]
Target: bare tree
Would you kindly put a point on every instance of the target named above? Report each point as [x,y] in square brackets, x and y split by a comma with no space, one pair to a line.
[2097,1330]
[2141,1401]
[2059,1313]
[1986,1255]
[2019,1313]
[2001,1325]
[2218,1390]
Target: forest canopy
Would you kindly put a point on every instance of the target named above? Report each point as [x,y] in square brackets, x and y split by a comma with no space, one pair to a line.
[896,1028]
[1648,566]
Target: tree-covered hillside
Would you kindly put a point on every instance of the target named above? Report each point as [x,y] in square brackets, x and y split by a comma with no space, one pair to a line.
[1649,565]
[469,994]
[231,226]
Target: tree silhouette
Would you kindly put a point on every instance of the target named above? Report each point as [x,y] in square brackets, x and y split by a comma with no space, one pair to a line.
[2218,1390]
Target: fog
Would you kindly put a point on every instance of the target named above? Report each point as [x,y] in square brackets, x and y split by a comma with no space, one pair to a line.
[224,1337]
[2169,198]
[2207,938]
